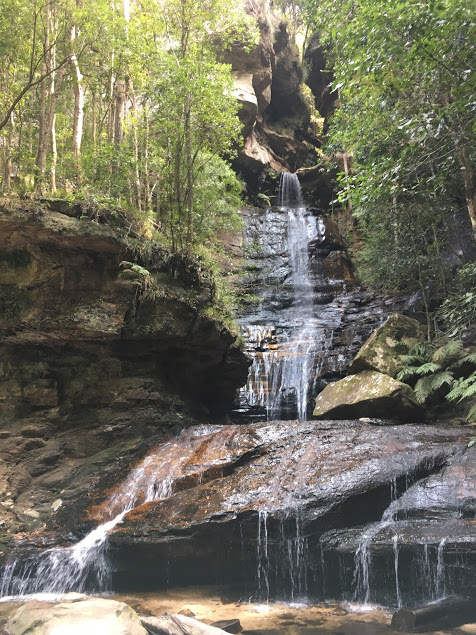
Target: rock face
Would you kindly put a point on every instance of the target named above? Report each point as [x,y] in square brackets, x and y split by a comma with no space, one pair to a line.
[383,349]
[273,111]
[368,394]
[267,514]
[98,353]
[429,529]
[320,77]
[75,618]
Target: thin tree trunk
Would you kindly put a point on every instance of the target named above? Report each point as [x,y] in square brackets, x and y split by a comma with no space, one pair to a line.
[189,166]
[78,111]
[93,116]
[469,181]
[40,159]
[136,152]
[7,156]
[54,155]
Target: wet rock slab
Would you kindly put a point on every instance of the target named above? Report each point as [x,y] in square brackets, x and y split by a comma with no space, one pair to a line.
[300,479]
[428,534]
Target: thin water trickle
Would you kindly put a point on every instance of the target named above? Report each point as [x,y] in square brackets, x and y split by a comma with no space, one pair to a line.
[397,581]
[440,570]
[263,560]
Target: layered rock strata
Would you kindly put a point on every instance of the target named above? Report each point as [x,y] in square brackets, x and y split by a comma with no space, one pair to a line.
[98,353]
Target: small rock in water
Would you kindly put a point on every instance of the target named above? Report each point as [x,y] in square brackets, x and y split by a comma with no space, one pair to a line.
[340,611]
[187,612]
[229,626]
[73,597]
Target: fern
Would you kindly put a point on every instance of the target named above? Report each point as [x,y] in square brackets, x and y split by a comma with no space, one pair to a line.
[407,373]
[471,414]
[468,359]
[463,388]
[429,384]
[448,353]
[419,354]
[427,368]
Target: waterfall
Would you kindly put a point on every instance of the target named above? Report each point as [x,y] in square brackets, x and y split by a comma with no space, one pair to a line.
[287,344]
[84,565]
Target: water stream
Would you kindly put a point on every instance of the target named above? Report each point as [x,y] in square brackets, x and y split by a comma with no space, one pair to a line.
[287,337]
[84,565]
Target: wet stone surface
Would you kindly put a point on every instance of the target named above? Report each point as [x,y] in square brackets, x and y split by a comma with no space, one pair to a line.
[260,525]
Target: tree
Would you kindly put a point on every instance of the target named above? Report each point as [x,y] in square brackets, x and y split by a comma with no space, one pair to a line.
[406,82]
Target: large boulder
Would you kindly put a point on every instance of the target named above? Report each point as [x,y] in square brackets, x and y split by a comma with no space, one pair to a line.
[368,394]
[92,615]
[382,351]
[246,96]
[299,481]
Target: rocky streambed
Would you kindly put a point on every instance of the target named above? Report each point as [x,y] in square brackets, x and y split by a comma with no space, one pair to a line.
[283,510]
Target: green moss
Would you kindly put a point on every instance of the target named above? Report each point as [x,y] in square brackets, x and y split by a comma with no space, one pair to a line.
[15,258]
[13,302]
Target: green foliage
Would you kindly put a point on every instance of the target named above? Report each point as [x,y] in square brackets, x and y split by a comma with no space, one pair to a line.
[429,385]
[404,73]
[429,368]
[458,311]
[165,148]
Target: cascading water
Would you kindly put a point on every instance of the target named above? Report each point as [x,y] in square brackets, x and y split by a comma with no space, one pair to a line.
[288,339]
[85,565]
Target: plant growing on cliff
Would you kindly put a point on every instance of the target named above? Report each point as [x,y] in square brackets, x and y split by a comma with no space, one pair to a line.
[440,371]
[458,311]
[406,80]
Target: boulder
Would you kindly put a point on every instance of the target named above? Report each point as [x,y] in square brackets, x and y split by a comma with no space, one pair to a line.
[92,615]
[245,94]
[382,350]
[320,77]
[256,156]
[176,624]
[316,474]
[368,394]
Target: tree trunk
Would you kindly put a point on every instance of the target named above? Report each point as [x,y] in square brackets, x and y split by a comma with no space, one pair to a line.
[40,159]
[451,611]
[7,156]
[469,181]
[78,111]
[189,167]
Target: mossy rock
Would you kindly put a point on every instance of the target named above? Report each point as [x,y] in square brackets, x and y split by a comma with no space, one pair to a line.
[368,394]
[382,351]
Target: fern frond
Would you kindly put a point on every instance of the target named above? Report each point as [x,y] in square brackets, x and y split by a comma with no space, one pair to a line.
[471,416]
[428,368]
[456,391]
[431,383]
[407,373]
[463,388]
[447,353]
[470,391]
[419,354]
[468,359]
